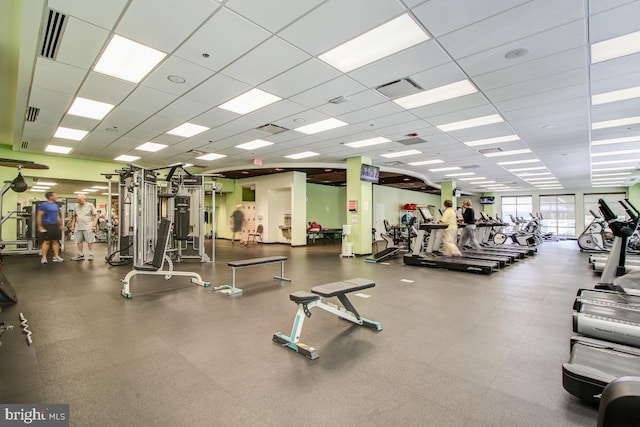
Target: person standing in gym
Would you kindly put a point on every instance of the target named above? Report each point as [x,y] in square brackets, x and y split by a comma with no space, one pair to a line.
[469,232]
[450,218]
[84,225]
[49,223]
[237,218]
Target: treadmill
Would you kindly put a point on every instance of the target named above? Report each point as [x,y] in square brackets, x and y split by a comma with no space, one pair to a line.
[487,224]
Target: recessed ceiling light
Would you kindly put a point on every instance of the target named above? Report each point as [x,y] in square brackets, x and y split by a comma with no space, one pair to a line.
[79,192]
[601,180]
[482,182]
[396,35]
[518,162]
[176,79]
[99,187]
[508,153]
[128,60]
[533,168]
[541,179]
[615,47]
[321,126]
[617,122]
[187,130]
[460,174]
[35,190]
[89,108]
[615,153]
[611,174]
[89,190]
[126,158]
[605,186]
[401,154]
[451,168]
[151,147]
[249,101]
[252,145]
[617,168]
[50,184]
[471,179]
[302,155]
[616,140]
[496,140]
[471,123]
[37,187]
[68,133]
[426,162]
[187,165]
[616,95]
[556,187]
[524,175]
[438,94]
[299,120]
[58,149]
[516,53]
[211,156]
[367,142]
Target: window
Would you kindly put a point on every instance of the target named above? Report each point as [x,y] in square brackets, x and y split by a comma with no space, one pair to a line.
[517,206]
[591,203]
[559,214]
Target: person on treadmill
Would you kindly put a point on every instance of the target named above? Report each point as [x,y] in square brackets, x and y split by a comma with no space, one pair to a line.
[50,224]
[450,218]
[469,232]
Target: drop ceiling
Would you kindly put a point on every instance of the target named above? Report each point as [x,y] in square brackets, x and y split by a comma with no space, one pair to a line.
[221,50]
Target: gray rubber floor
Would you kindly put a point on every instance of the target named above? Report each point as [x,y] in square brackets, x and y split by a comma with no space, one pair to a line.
[457,349]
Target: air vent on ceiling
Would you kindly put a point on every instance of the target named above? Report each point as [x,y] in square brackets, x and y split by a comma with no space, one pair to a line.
[412,141]
[196,152]
[32,114]
[339,99]
[470,167]
[271,129]
[52,34]
[393,163]
[24,145]
[490,150]
[399,88]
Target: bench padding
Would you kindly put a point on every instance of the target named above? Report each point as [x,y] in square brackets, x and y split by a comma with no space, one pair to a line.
[146,267]
[303,297]
[344,287]
[256,261]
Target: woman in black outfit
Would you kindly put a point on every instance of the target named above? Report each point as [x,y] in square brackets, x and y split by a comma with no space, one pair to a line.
[469,233]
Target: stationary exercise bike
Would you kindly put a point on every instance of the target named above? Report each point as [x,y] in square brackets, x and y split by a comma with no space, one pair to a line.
[594,238]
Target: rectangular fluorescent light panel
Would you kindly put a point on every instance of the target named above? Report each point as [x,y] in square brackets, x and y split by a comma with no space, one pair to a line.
[438,94]
[489,141]
[471,179]
[615,153]
[211,156]
[401,154]
[302,155]
[321,126]
[615,48]
[79,192]
[616,95]
[249,101]
[34,190]
[611,174]
[533,168]
[68,133]
[396,35]
[35,187]
[100,187]
[89,108]
[471,123]
[89,190]
[58,149]
[508,153]
[187,165]
[151,147]
[614,123]
[615,162]
[49,184]
[128,60]
[460,174]
[482,182]
[187,130]
[525,175]
[618,168]
[252,145]
[616,140]
[518,162]
[426,162]
[452,168]
[126,158]
[367,142]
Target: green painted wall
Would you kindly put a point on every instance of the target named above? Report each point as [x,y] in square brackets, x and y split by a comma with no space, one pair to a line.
[446,192]
[10,25]
[326,205]
[634,195]
[361,221]
[393,199]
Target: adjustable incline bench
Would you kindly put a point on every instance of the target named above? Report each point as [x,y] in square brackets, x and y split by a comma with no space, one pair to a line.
[252,263]
[159,258]
[306,301]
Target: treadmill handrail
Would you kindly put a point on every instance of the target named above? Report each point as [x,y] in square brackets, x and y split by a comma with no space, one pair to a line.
[607,213]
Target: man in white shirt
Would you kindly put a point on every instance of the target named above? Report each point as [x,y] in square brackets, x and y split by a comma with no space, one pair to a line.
[84,225]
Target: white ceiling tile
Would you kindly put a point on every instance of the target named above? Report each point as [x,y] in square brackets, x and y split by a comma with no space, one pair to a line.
[124,119]
[174,66]
[410,61]
[57,76]
[183,109]
[517,23]
[260,65]
[597,6]
[275,14]
[217,90]
[544,84]
[342,86]
[164,24]
[214,117]
[543,44]
[615,110]
[443,16]
[371,113]
[466,114]
[77,122]
[140,134]
[300,78]
[337,21]
[225,37]
[357,102]
[98,139]
[81,43]
[147,100]
[159,124]
[47,99]
[618,82]
[103,14]
[544,97]
[103,88]
[379,123]
[413,3]
[276,111]
[615,22]
[49,117]
[449,106]
[439,76]
[37,132]
[615,67]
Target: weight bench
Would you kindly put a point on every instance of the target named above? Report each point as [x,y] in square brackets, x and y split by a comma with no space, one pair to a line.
[159,258]
[306,301]
[233,290]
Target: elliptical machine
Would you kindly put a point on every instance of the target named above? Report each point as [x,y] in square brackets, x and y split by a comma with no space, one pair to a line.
[593,238]
[521,237]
